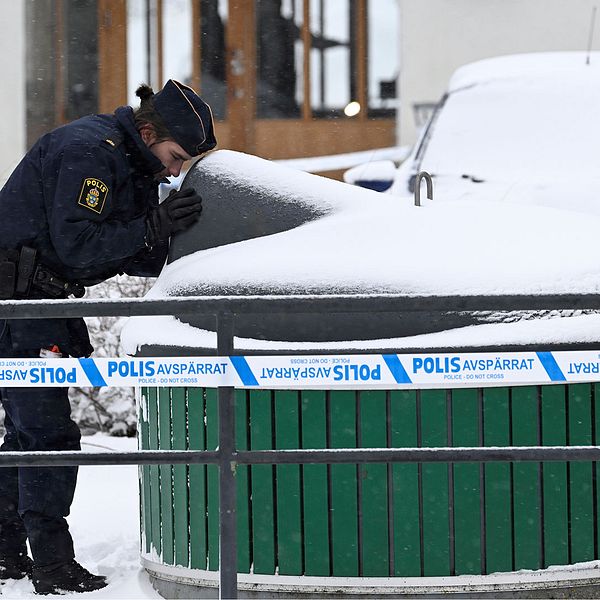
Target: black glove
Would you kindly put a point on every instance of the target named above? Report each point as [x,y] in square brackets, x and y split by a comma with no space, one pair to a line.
[177,212]
[79,345]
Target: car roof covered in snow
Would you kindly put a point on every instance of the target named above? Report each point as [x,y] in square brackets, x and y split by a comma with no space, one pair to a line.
[553,66]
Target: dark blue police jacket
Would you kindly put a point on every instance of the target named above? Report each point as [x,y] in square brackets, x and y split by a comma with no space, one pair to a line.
[80,197]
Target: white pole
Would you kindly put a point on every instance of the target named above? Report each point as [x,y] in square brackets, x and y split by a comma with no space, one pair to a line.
[12,102]
[399,78]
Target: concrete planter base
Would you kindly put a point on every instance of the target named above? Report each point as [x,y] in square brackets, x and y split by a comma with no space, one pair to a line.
[575,581]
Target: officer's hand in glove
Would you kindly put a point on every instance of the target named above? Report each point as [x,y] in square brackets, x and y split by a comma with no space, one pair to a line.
[79,345]
[177,212]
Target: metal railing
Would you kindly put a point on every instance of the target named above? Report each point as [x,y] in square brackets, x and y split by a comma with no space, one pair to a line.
[226,457]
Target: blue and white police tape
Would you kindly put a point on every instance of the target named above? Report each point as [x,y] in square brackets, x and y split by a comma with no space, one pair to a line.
[369,371]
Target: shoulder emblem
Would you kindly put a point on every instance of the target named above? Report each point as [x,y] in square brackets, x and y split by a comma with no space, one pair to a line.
[93,194]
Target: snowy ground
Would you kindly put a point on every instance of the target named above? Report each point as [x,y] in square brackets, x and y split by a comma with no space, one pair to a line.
[105,525]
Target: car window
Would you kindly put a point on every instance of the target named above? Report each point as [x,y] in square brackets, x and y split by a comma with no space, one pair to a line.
[516,129]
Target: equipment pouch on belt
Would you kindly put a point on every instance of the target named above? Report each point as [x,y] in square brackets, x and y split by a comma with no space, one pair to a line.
[9,260]
[16,272]
[25,270]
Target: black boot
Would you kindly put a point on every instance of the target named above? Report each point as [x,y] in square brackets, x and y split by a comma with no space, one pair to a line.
[14,562]
[49,539]
[65,577]
[15,567]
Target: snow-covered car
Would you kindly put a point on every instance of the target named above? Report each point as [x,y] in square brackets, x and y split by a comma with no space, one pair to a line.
[522,128]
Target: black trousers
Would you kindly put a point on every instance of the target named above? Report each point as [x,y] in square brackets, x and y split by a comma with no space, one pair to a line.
[34,501]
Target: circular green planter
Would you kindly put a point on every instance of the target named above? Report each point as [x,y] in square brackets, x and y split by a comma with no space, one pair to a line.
[376,520]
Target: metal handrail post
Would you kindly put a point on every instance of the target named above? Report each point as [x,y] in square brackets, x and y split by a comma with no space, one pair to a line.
[227,483]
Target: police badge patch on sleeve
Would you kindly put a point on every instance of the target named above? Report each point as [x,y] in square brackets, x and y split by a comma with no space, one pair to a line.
[93,194]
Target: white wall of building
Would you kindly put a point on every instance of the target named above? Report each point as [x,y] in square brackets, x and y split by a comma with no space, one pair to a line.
[438,36]
[12,94]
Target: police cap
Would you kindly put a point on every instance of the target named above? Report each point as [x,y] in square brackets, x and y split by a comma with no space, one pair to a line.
[187,117]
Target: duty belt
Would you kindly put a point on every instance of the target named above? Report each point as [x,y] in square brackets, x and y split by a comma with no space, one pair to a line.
[50,283]
[21,276]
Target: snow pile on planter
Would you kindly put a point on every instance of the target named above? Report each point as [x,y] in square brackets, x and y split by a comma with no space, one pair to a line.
[349,239]
[314,235]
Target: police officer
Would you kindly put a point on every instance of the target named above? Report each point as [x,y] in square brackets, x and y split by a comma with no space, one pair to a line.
[80,207]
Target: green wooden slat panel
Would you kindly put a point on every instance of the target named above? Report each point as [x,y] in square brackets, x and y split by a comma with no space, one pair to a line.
[244,545]
[374,509]
[198,501]
[212,441]
[526,481]
[597,464]
[467,487]
[154,470]
[498,526]
[344,502]
[289,507]
[580,475]
[263,515]
[434,481]
[316,519]
[145,497]
[166,476]
[180,478]
[554,481]
[405,477]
